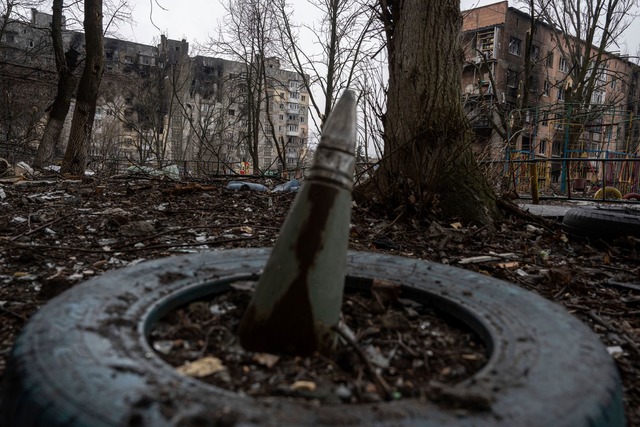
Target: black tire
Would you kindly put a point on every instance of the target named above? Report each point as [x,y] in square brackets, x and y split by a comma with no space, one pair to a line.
[245,187]
[600,222]
[84,360]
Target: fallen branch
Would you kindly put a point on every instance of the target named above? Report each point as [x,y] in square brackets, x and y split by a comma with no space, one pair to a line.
[622,285]
[26,233]
[623,337]
[487,258]
[122,250]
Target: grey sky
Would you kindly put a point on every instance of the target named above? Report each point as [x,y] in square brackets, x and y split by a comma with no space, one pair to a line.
[195,20]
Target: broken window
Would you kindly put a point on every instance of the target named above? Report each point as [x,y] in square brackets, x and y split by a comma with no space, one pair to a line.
[535,53]
[511,79]
[485,42]
[549,59]
[544,120]
[563,65]
[597,97]
[515,46]
[542,146]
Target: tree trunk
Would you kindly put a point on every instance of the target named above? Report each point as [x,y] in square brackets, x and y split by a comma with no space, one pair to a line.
[75,157]
[66,65]
[428,164]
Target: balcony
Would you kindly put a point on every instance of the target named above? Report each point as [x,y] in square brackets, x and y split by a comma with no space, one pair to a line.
[293,132]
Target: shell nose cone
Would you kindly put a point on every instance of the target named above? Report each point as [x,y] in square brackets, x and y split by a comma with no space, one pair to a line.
[340,129]
[335,156]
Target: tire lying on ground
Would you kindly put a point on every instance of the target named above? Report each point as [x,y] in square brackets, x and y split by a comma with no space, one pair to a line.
[631,196]
[84,359]
[602,222]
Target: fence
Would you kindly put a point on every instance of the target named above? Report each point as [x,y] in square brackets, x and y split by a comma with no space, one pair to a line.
[573,177]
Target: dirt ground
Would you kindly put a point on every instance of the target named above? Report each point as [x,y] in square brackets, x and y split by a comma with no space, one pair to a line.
[55,233]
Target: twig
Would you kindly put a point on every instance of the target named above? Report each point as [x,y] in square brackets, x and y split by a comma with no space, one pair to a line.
[13,313]
[390,224]
[517,211]
[382,385]
[560,292]
[622,285]
[26,233]
[406,348]
[592,314]
[178,230]
[146,248]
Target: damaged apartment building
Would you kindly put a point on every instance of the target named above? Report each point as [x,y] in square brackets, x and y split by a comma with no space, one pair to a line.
[158,105]
[544,126]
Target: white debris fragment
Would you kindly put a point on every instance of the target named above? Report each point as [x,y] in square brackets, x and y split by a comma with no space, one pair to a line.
[25,167]
[616,349]
[533,229]
[107,242]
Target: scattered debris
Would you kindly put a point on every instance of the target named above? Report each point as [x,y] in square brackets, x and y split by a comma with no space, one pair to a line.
[487,258]
[202,367]
[266,359]
[303,386]
[54,230]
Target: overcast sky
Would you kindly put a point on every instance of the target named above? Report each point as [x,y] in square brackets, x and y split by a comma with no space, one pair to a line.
[196,20]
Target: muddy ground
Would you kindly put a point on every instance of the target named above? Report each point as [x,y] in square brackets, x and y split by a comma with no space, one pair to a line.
[55,233]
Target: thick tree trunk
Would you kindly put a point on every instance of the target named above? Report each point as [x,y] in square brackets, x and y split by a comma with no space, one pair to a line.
[75,157]
[52,131]
[428,163]
[66,65]
[57,115]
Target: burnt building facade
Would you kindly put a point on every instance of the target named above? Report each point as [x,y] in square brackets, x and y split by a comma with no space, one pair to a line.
[543,124]
[159,105]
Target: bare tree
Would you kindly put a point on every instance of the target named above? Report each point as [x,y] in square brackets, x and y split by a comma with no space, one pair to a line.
[75,157]
[25,78]
[66,64]
[586,34]
[6,12]
[342,35]
[428,163]
[248,38]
